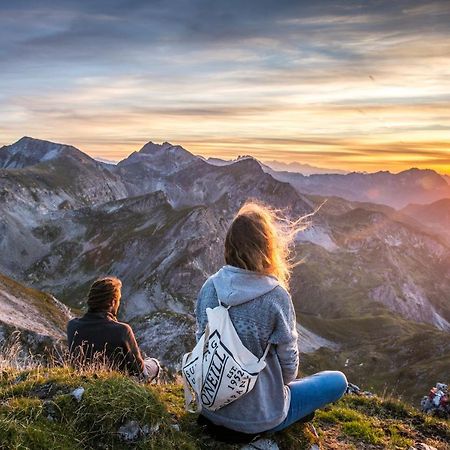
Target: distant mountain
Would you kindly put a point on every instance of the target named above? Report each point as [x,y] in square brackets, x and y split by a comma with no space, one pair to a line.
[305,169]
[396,190]
[188,180]
[155,166]
[279,166]
[29,152]
[435,215]
[225,162]
[163,158]
[294,167]
[54,176]
[372,281]
[106,161]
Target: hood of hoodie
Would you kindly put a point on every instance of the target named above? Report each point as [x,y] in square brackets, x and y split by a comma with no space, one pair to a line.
[235,286]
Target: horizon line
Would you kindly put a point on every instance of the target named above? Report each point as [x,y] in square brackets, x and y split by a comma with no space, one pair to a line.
[112,160]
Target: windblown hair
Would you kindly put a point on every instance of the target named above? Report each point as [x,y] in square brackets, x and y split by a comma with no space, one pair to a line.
[259,239]
[104,294]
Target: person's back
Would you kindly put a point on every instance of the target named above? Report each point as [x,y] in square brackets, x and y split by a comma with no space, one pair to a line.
[261,312]
[98,337]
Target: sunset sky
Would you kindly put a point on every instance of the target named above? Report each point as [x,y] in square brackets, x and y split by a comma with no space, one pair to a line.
[358,85]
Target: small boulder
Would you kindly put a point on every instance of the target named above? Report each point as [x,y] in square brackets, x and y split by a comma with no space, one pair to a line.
[77,394]
[130,432]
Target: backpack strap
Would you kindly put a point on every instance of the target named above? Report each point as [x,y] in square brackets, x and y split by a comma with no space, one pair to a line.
[188,397]
[221,304]
[266,351]
[199,377]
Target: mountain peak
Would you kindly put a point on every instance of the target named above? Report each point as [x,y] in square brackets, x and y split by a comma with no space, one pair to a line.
[29,151]
[165,158]
[152,147]
[246,165]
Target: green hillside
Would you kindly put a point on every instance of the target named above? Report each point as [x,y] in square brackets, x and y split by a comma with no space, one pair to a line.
[38,411]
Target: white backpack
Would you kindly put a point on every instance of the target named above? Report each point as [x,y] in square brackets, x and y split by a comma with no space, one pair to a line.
[220,369]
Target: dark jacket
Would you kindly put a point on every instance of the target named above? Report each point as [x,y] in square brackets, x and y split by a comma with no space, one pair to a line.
[98,332]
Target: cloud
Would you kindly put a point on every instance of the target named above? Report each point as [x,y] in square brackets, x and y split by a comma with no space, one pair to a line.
[355,82]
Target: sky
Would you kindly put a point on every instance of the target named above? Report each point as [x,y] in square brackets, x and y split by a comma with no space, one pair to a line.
[354,85]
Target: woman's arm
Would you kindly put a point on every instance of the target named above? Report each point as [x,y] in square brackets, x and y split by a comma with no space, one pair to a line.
[285,337]
[288,357]
[207,298]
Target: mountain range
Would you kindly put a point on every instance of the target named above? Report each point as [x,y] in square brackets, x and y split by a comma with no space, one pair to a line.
[296,167]
[396,190]
[372,295]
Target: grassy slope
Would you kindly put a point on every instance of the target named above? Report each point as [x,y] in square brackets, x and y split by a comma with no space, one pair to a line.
[27,399]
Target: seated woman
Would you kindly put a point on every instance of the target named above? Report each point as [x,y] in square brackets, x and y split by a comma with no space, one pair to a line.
[99,337]
[254,283]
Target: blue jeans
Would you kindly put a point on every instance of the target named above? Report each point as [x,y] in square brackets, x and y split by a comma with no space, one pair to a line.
[311,393]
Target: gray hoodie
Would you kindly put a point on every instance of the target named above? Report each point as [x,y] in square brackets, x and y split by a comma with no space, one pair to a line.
[261,312]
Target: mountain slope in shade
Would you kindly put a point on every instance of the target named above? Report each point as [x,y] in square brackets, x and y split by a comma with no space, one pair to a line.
[396,190]
[436,215]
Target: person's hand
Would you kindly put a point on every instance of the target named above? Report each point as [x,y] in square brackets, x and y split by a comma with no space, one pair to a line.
[152,369]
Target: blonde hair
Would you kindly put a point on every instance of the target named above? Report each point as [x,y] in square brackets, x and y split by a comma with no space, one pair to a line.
[260,238]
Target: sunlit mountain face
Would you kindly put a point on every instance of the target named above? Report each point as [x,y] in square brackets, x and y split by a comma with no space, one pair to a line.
[352,86]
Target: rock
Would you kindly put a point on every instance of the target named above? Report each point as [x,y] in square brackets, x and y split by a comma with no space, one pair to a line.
[314,447]
[77,394]
[261,444]
[130,432]
[176,427]
[353,389]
